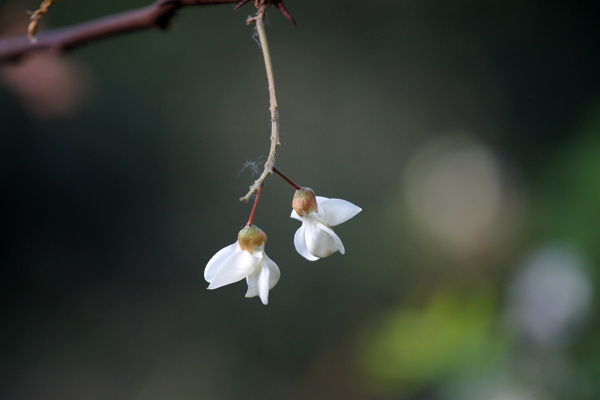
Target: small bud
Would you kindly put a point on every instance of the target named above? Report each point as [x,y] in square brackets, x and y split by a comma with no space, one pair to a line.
[251,238]
[305,201]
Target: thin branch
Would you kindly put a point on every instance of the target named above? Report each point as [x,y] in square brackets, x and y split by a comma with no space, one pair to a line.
[36,17]
[256,199]
[154,16]
[268,169]
[285,178]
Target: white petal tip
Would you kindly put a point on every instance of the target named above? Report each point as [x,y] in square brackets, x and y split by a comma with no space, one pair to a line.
[265,302]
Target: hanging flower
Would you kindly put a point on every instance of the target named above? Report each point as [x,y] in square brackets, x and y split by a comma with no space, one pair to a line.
[245,258]
[315,238]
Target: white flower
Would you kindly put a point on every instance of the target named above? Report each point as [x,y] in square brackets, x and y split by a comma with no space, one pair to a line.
[245,258]
[315,238]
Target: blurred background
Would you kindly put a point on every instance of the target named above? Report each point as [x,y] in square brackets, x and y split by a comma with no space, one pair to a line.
[468,131]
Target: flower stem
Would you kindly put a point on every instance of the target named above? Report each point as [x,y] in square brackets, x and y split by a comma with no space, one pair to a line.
[262,35]
[251,219]
[288,180]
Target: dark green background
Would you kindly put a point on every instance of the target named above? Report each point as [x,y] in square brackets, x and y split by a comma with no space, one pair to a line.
[111,209]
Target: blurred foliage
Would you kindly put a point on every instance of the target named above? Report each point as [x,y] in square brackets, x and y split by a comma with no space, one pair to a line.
[570,184]
[448,340]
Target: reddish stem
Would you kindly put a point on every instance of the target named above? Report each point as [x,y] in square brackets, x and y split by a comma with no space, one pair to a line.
[254,207]
[288,180]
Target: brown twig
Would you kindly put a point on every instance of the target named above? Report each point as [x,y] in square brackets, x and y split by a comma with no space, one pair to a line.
[259,20]
[154,16]
[36,17]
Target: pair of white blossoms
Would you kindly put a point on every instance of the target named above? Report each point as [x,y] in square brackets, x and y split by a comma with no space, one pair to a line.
[315,239]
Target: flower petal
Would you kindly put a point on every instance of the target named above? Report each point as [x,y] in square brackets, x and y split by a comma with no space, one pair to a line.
[253,281]
[263,284]
[275,274]
[300,243]
[321,241]
[265,277]
[336,239]
[215,262]
[236,267]
[333,212]
[295,215]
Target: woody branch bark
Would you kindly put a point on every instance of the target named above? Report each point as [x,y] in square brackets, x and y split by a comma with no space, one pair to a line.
[273,108]
[154,16]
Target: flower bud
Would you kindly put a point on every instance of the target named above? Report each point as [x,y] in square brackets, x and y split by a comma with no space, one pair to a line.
[251,238]
[305,201]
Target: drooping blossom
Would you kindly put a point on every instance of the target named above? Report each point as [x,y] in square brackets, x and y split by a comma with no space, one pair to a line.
[315,239]
[245,258]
